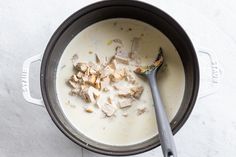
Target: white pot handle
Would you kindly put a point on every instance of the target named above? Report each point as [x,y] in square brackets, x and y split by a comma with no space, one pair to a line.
[25,80]
[210,76]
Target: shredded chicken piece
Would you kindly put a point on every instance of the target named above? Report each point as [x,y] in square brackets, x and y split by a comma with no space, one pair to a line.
[73,84]
[87,72]
[115,87]
[91,92]
[98,83]
[96,93]
[79,75]
[84,95]
[74,78]
[124,94]
[115,77]
[125,103]
[130,78]
[98,104]
[122,60]
[92,71]
[108,109]
[141,109]
[109,100]
[106,71]
[85,78]
[92,79]
[105,82]
[137,91]
[113,64]
[122,72]
[75,91]
[81,67]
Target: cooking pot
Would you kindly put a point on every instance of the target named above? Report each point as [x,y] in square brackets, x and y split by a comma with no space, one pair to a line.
[88,16]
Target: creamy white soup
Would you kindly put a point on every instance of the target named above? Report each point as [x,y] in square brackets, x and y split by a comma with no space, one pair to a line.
[126,126]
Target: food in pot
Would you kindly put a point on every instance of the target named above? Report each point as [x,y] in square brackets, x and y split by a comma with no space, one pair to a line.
[114,106]
[90,79]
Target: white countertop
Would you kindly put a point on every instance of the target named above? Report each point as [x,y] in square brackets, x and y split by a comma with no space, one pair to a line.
[27,130]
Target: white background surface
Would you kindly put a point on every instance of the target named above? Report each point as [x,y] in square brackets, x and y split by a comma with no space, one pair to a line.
[26,130]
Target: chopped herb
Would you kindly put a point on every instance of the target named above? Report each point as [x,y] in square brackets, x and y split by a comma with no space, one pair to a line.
[109,42]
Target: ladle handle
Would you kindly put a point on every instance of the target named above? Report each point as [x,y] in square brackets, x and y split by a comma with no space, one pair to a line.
[165,133]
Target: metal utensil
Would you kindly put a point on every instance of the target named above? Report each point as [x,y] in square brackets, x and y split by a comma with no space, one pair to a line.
[165,133]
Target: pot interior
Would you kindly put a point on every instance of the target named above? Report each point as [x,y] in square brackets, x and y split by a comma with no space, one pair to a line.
[103,11]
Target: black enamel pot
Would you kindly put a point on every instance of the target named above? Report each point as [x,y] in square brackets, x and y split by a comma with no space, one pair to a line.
[117,9]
